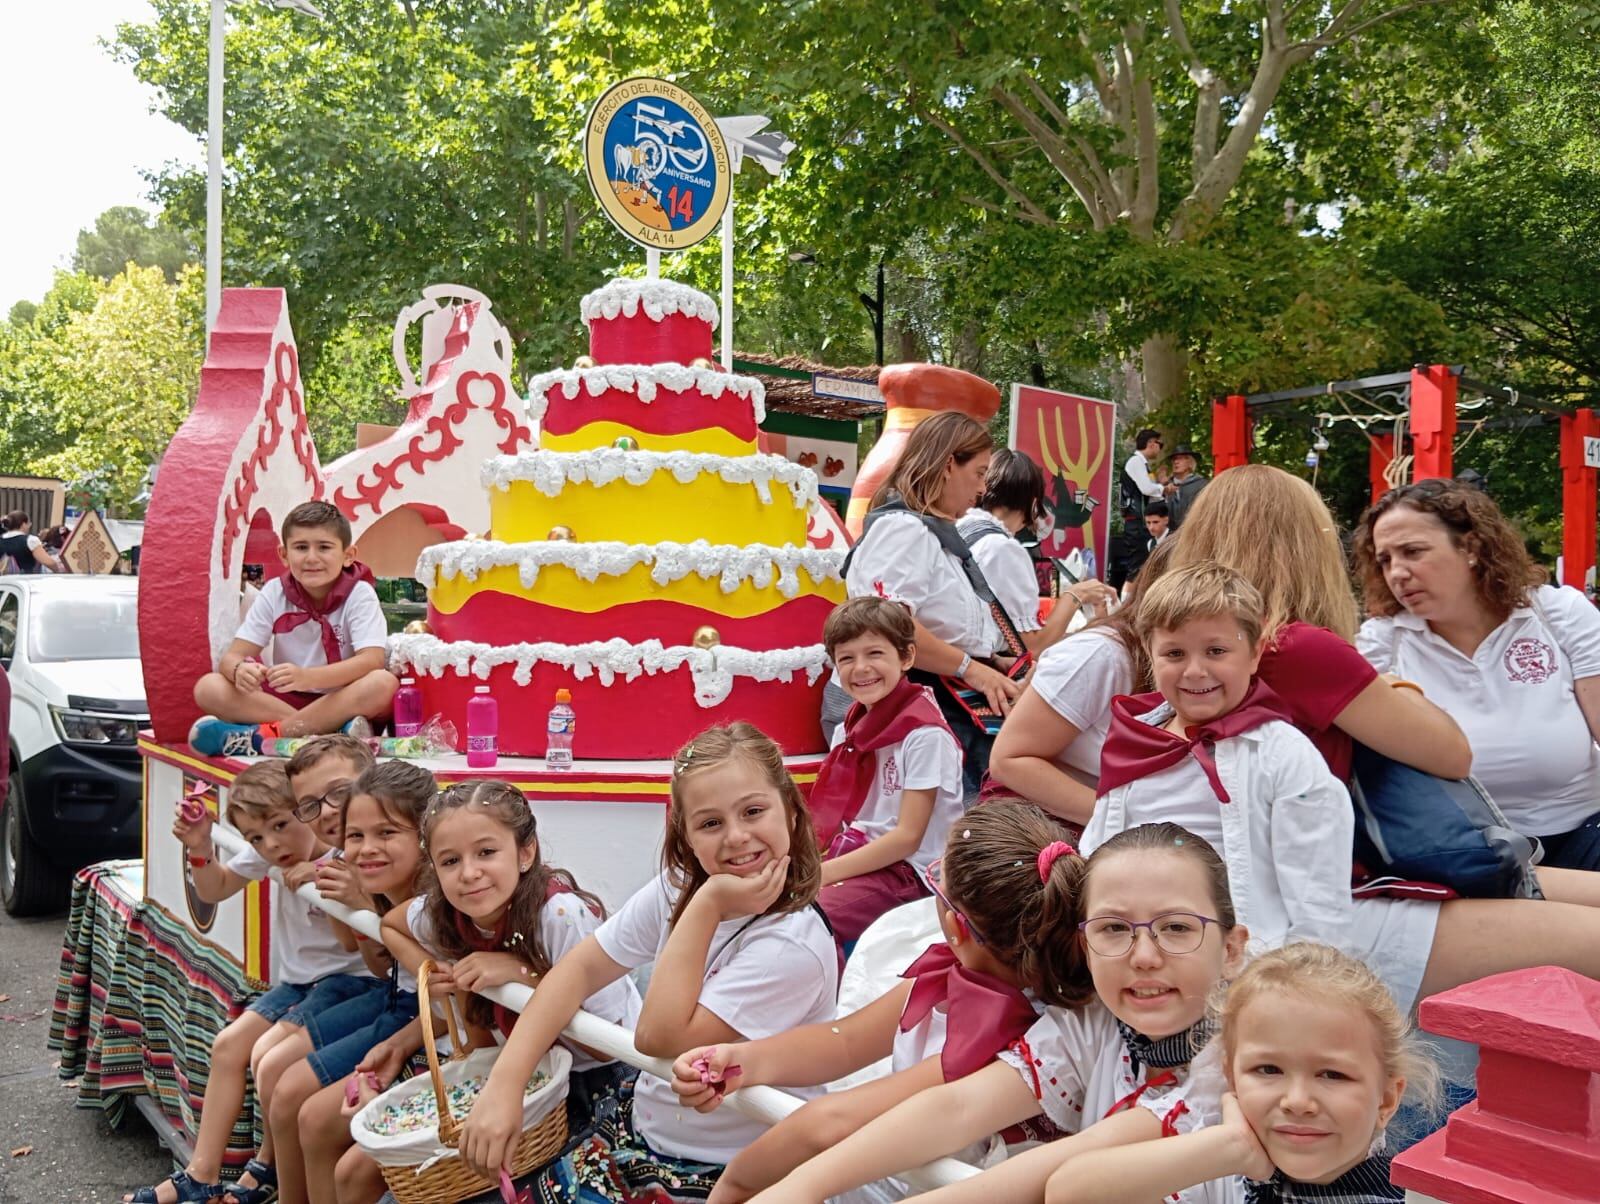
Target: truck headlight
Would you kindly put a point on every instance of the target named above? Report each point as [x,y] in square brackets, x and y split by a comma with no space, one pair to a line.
[86,727]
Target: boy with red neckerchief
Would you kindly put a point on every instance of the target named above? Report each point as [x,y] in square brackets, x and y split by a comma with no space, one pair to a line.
[326,667]
[890,788]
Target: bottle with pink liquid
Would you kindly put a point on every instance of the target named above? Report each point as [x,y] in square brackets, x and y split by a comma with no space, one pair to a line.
[483,730]
[407,708]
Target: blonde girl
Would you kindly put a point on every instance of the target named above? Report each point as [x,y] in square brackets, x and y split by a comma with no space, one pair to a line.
[963,1000]
[740,952]
[1317,1057]
[1157,934]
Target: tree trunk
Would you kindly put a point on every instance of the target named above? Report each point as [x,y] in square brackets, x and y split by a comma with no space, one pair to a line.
[1165,370]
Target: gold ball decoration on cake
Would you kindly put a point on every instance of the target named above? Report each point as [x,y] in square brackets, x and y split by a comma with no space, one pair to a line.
[707,637]
[583,361]
[418,627]
[561,533]
[625,443]
[701,361]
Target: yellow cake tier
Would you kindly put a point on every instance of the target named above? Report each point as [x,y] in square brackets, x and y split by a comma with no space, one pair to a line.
[605,434]
[638,497]
[561,586]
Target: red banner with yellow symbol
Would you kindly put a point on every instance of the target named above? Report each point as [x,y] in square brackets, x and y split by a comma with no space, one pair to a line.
[1070,438]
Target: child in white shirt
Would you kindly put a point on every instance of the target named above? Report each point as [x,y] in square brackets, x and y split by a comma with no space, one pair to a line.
[890,788]
[739,953]
[327,660]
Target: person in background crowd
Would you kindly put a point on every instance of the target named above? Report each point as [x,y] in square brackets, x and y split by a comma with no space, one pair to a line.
[26,550]
[1185,485]
[1136,490]
[1157,524]
[1013,501]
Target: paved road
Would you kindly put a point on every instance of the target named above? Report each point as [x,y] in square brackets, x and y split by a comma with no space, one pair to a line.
[76,1155]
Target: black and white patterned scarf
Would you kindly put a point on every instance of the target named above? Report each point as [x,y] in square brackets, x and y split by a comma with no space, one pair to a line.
[1365,1183]
[1165,1053]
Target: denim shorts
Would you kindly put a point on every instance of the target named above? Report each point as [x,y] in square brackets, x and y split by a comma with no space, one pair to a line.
[343,1034]
[329,990]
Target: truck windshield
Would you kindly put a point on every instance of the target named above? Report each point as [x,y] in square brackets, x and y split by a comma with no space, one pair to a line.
[84,625]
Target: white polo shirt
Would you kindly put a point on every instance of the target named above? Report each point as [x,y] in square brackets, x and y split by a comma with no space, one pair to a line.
[1514,699]
[359,623]
[900,557]
[1006,566]
[1078,677]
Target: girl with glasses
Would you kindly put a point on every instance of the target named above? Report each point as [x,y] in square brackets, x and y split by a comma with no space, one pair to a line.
[1156,937]
[1005,956]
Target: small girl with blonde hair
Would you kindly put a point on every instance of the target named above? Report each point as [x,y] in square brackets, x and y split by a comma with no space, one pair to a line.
[740,952]
[1317,1057]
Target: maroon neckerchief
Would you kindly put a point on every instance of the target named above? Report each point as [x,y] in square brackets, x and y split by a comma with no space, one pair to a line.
[305,609]
[845,778]
[1135,749]
[495,942]
[983,1015]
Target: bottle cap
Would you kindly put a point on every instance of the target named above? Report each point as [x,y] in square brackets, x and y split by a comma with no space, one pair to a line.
[481,690]
[563,695]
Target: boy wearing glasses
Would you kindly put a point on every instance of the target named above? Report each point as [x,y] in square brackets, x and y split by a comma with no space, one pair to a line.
[890,789]
[316,964]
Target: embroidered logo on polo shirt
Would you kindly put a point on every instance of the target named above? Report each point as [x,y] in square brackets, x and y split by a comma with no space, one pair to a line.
[891,776]
[1530,661]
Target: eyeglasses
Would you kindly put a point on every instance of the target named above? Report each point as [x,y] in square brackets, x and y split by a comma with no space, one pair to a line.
[936,884]
[1176,932]
[308,809]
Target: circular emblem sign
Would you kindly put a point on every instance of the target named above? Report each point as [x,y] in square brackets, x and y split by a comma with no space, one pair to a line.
[657,164]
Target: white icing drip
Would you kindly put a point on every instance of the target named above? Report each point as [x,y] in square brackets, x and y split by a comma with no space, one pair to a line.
[658,298]
[550,471]
[732,564]
[644,380]
[713,669]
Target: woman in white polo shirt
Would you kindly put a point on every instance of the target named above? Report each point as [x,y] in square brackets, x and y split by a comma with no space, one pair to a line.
[1461,609]
[938,479]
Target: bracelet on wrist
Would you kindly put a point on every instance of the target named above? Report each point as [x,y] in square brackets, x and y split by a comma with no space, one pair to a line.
[196,863]
[1399,684]
[966,663]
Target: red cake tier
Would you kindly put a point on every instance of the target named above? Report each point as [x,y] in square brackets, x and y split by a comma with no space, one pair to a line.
[502,619]
[671,412]
[648,718]
[649,322]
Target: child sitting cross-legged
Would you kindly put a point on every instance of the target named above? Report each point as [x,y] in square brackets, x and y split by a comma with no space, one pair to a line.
[890,788]
[318,967]
[328,638]
[1004,958]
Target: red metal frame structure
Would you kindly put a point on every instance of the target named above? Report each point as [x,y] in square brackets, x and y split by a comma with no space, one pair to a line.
[1429,394]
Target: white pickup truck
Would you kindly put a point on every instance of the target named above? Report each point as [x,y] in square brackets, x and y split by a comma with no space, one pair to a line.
[70,646]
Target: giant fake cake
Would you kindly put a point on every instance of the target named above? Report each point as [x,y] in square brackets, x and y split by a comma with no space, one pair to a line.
[646,557]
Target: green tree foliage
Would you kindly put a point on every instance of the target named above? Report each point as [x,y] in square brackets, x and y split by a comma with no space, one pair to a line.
[126,234]
[127,373]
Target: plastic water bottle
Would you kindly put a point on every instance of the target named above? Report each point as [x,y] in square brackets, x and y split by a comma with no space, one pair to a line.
[483,730]
[558,732]
[407,708]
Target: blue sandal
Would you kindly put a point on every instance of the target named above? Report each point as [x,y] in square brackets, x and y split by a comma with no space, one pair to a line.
[265,1190]
[190,1190]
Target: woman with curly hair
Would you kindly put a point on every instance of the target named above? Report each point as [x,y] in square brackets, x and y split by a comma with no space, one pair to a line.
[1461,609]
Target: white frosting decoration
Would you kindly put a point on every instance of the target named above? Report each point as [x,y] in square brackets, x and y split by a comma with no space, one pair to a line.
[712,669]
[733,564]
[550,471]
[657,298]
[644,380]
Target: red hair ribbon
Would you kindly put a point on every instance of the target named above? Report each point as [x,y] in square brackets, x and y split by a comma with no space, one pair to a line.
[1048,855]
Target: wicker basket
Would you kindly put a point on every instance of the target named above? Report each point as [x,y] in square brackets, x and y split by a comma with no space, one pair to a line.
[450,1180]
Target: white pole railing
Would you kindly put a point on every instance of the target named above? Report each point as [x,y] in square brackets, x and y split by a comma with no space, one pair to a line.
[765,1104]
